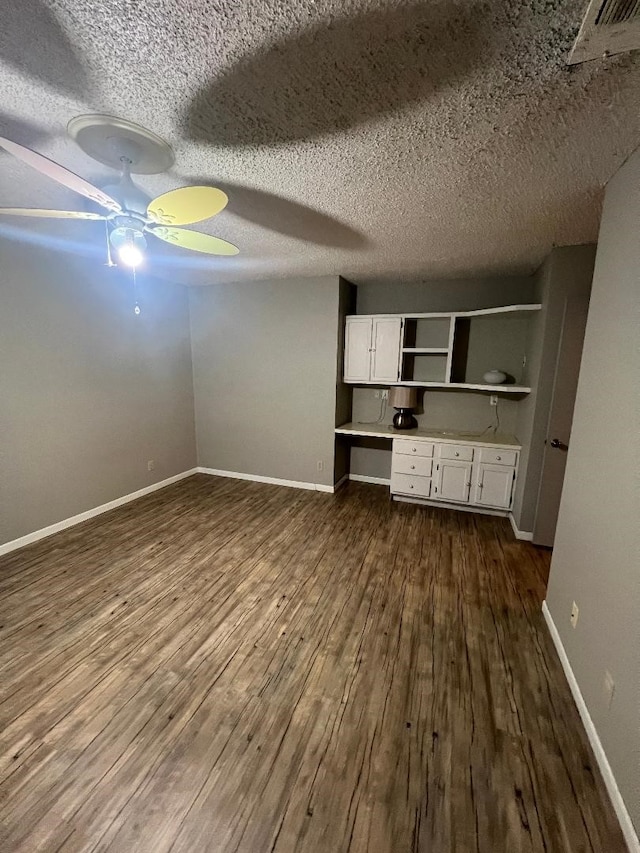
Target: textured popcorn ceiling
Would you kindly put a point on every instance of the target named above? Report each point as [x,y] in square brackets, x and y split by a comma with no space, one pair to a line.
[432,139]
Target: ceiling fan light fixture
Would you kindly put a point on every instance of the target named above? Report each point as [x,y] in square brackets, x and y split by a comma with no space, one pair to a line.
[130,246]
[130,255]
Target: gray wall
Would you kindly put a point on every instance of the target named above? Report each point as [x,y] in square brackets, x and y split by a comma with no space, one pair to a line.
[264,362]
[596,559]
[457,410]
[89,391]
[405,297]
[567,270]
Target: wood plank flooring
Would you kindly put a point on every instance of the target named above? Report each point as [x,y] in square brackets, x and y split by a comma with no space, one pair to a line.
[231,666]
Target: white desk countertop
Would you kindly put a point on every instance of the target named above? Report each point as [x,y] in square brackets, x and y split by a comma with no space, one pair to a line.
[451,436]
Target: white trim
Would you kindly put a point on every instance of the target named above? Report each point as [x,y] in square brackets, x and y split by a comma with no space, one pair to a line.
[525,535]
[478,510]
[274,481]
[377,481]
[341,482]
[90,513]
[611,785]
[477,312]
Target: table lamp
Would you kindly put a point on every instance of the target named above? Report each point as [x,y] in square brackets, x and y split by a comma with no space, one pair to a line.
[404,400]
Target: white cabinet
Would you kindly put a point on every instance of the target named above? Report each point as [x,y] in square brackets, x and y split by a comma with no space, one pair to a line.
[357,349]
[453,481]
[449,349]
[411,468]
[494,485]
[472,474]
[372,349]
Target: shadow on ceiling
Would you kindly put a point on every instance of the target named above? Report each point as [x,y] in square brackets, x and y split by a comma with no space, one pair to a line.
[20,131]
[289,218]
[33,42]
[330,78]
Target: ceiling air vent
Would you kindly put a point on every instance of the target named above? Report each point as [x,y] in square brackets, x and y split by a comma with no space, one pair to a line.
[609,26]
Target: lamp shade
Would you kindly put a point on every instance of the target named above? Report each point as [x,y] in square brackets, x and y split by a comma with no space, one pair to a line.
[401,397]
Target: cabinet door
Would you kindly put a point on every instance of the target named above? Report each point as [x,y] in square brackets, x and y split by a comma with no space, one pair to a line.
[357,349]
[494,485]
[453,481]
[386,344]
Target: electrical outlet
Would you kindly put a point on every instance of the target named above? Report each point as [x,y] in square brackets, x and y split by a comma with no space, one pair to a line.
[385,394]
[151,465]
[320,465]
[575,612]
[609,687]
[493,400]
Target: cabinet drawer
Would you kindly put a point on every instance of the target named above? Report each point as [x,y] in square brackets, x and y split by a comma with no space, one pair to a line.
[414,465]
[412,448]
[405,484]
[498,457]
[456,451]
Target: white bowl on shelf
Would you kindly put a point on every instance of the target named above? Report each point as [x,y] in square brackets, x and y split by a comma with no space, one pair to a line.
[495,377]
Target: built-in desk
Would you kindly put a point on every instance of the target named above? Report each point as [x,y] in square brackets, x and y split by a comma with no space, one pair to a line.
[463,470]
[450,436]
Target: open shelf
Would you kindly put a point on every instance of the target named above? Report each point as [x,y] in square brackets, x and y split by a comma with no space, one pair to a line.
[451,350]
[487,341]
[425,355]
[427,333]
[425,367]
[426,350]
[468,386]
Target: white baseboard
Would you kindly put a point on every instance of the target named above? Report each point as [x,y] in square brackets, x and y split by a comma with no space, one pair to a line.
[90,513]
[476,510]
[377,481]
[525,535]
[274,481]
[619,806]
[341,482]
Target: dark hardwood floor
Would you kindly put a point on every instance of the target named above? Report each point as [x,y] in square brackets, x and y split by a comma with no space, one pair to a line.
[229,666]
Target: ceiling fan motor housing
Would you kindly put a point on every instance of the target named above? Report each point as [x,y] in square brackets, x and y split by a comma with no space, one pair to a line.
[131,197]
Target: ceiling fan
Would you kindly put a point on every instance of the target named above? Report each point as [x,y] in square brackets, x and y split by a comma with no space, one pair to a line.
[129,214]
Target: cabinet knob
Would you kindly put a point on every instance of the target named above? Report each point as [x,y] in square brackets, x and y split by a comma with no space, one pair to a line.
[413,449]
[411,486]
[413,467]
[498,458]
[457,454]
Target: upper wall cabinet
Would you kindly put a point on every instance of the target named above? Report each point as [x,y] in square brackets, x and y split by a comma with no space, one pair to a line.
[372,349]
[447,350]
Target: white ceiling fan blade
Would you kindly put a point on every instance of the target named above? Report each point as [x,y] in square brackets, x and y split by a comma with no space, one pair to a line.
[50,214]
[194,240]
[58,173]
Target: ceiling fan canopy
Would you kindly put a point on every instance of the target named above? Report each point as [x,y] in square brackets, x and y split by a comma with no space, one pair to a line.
[129,213]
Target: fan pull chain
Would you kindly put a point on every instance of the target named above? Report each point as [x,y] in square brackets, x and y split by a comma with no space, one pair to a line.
[136,310]
[110,262]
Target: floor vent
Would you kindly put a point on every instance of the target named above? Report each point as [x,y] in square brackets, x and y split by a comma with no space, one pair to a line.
[609,27]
